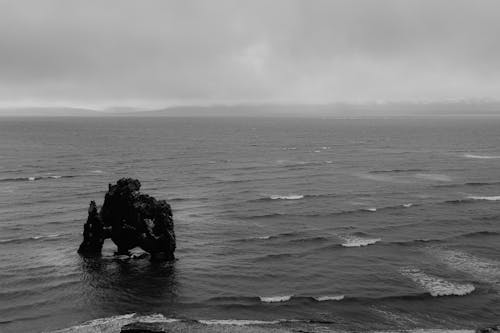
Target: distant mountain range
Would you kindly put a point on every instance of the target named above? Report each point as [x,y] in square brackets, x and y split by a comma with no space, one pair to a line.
[448,108]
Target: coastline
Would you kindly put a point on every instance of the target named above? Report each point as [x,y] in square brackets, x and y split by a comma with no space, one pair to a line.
[158,323]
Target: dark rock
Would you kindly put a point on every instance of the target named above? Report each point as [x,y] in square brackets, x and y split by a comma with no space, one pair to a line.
[93,232]
[130,219]
[139,327]
[491,329]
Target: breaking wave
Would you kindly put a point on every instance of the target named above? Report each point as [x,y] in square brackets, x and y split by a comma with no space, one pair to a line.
[486,157]
[488,198]
[286,197]
[114,323]
[329,298]
[237,322]
[482,269]
[275,299]
[357,241]
[437,286]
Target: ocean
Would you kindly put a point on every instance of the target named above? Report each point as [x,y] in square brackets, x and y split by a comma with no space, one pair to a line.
[350,224]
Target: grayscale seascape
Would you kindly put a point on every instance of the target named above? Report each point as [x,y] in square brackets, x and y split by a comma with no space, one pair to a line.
[249,166]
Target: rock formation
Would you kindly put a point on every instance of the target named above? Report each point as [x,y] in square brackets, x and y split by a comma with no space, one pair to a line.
[131,219]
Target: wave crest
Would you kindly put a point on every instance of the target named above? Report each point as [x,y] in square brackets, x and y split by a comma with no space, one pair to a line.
[329,298]
[437,286]
[485,157]
[488,198]
[286,197]
[275,299]
[356,241]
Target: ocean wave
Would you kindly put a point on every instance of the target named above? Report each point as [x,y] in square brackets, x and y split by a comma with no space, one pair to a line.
[459,201]
[309,239]
[331,214]
[437,286]
[276,256]
[397,171]
[329,298]
[237,322]
[486,157]
[275,299]
[286,197]
[33,178]
[31,238]
[267,237]
[433,176]
[482,183]
[357,241]
[264,237]
[471,184]
[480,233]
[488,198]
[482,269]
[115,323]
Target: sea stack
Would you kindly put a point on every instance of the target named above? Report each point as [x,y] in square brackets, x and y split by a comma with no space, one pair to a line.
[131,219]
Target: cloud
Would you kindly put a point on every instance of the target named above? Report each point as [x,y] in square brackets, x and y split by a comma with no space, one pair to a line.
[149,52]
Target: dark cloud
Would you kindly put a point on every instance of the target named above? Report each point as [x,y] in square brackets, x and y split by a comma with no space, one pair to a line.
[162,52]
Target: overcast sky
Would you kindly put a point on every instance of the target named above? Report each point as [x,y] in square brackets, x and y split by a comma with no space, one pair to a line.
[153,53]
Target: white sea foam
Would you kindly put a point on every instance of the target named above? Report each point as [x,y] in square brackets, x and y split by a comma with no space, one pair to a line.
[46,236]
[286,197]
[355,241]
[100,324]
[238,322]
[97,171]
[486,157]
[55,177]
[482,269]
[114,323]
[156,317]
[31,178]
[317,151]
[370,209]
[488,198]
[329,298]
[275,299]
[407,205]
[263,237]
[437,286]
[433,176]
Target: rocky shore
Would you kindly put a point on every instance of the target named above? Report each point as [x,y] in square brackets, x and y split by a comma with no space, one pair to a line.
[157,323]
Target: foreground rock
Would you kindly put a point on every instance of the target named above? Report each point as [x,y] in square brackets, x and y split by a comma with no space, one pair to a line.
[131,219]
[139,327]
[491,329]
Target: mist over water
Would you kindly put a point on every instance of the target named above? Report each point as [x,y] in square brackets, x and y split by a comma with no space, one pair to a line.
[361,224]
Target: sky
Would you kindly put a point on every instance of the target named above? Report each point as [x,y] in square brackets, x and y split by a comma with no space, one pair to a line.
[148,53]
